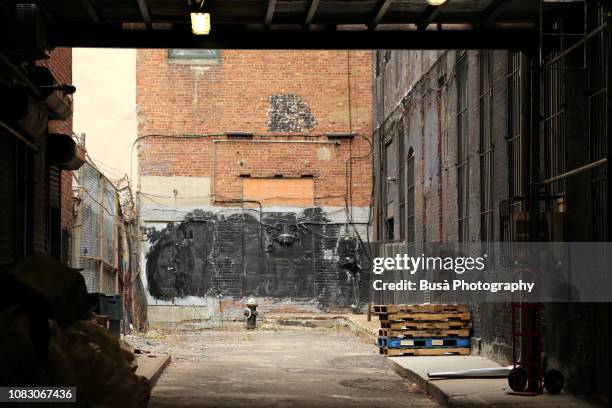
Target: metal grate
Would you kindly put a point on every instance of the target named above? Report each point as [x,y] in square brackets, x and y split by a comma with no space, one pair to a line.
[410,237]
[598,64]
[389,164]
[462,147]
[98,216]
[515,127]
[554,111]
[486,146]
[401,180]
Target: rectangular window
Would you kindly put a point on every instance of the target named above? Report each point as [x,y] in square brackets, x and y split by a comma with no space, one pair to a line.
[554,112]
[598,63]
[390,163]
[401,179]
[382,186]
[195,56]
[486,145]
[410,227]
[462,146]
[515,126]
[390,232]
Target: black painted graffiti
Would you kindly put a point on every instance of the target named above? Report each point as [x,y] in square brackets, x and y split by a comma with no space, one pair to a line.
[287,255]
[289,113]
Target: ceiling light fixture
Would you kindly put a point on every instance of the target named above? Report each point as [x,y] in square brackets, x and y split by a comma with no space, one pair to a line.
[200,20]
[436,2]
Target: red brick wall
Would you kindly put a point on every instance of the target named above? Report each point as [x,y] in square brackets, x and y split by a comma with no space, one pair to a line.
[203,102]
[60,65]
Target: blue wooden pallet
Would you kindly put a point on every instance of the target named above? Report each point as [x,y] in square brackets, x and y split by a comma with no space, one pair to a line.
[400,342]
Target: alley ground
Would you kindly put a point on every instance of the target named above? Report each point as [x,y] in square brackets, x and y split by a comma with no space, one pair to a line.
[277,365]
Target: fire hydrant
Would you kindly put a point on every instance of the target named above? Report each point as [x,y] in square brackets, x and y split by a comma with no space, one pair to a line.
[250,312]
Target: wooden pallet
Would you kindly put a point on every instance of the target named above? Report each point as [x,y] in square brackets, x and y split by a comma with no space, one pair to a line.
[425,351]
[379,309]
[402,343]
[413,325]
[410,316]
[424,333]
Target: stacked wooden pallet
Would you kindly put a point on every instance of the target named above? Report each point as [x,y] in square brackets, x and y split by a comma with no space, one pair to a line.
[423,330]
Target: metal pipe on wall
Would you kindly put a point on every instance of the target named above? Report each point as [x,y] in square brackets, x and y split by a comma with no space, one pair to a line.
[609,125]
[575,171]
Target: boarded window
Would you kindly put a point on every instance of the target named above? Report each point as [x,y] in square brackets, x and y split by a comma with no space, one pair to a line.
[283,192]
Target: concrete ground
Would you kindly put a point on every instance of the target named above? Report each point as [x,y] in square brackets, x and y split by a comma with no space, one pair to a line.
[473,392]
[286,365]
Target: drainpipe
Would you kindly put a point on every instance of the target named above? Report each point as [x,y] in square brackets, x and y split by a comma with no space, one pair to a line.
[533,349]
[534,148]
[440,207]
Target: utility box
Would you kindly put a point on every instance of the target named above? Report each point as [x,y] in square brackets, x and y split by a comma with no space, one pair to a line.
[110,306]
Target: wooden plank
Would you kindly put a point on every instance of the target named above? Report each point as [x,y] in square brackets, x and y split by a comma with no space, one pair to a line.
[430,15]
[426,325]
[419,343]
[145,12]
[490,13]
[92,11]
[380,309]
[425,352]
[424,333]
[410,316]
[270,13]
[314,4]
[380,13]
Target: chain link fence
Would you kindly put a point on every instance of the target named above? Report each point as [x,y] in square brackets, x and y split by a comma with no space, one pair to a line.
[106,242]
[97,231]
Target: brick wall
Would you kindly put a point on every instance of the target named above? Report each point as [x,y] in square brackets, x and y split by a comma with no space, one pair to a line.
[60,65]
[255,91]
[288,101]
[426,82]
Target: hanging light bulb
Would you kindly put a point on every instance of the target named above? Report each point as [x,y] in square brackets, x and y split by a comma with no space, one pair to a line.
[436,2]
[200,23]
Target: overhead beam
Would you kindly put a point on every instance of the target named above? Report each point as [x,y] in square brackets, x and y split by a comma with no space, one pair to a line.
[430,15]
[270,13]
[314,5]
[4,8]
[92,11]
[89,35]
[145,12]
[44,8]
[490,13]
[380,13]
